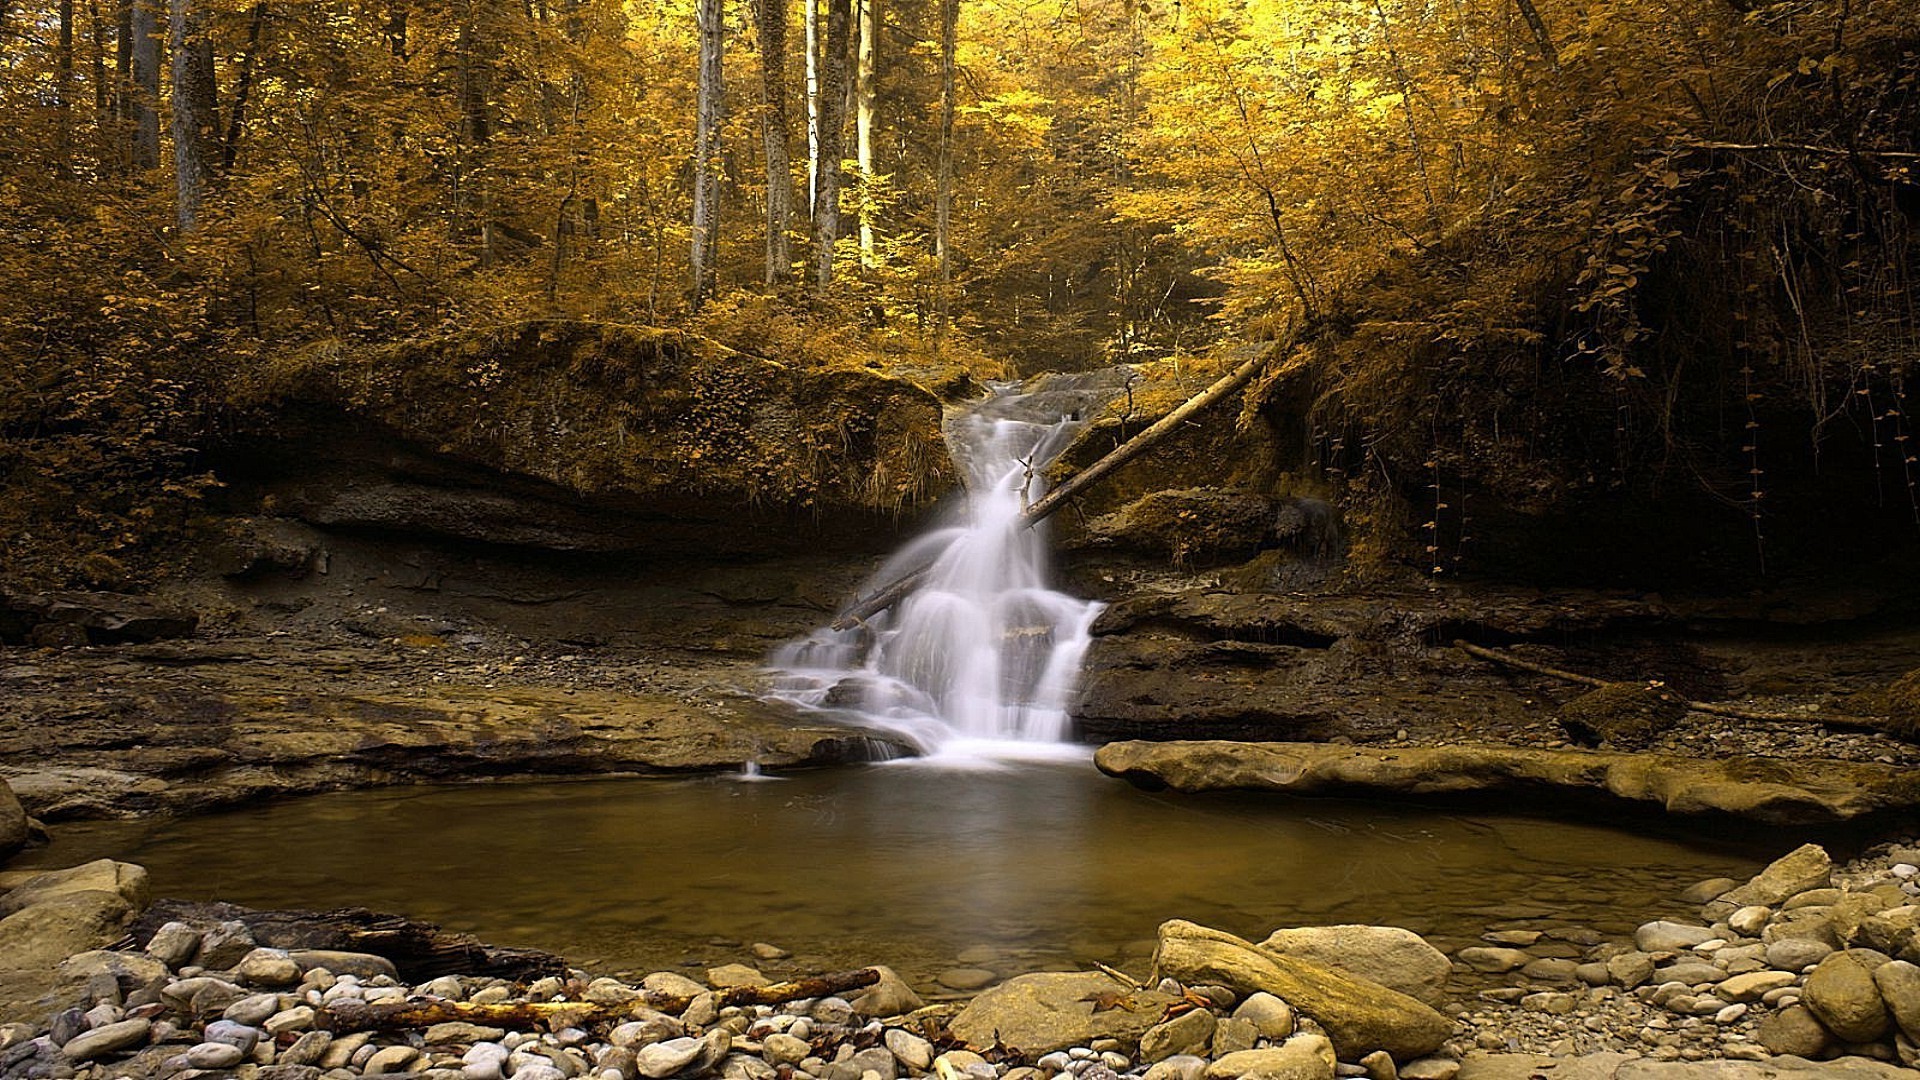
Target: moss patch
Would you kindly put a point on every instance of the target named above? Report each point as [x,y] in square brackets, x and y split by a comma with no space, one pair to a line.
[1624,715]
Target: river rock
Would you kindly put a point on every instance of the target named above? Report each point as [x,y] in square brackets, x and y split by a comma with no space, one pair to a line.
[727,976]
[1691,972]
[1793,1030]
[1388,955]
[1842,994]
[890,996]
[1271,1017]
[874,1059]
[358,964]
[267,967]
[13,822]
[663,1059]
[1630,969]
[1177,1067]
[1750,920]
[1492,959]
[909,1049]
[1754,985]
[1702,891]
[461,1033]
[1805,867]
[1189,1033]
[1049,1011]
[1899,984]
[1359,1015]
[174,944]
[648,1026]
[673,983]
[224,945]
[1661,936]
[112,1038]
[784,1049]
[127,881]
[215,1055]
[1303,1057]
[305,1050]
[240,1035]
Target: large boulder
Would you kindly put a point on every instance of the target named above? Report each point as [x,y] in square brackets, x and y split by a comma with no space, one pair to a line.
[1048,1011]
[54,916]
[1624,716]
[13,822]
[1189,525]
[1772,790]
[1842,993]
[89,618]
[1803,869]
[1395,958]
[1359,1015]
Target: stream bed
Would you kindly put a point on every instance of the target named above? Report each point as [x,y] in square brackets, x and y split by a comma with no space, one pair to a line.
[1010,868]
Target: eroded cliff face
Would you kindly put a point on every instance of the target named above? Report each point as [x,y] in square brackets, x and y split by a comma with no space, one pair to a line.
[574,436]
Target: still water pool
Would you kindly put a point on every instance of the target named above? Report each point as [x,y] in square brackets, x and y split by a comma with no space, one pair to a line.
[1019,867]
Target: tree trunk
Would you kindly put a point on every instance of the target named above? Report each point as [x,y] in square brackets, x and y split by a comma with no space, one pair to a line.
[102,97]
[863,123]
[144,97]
[710,112]
[833,96]
[1542,40]
[476,128]
[943,190]
[243,88]
[771,19]
[63,85]
[813,103]
[196,137]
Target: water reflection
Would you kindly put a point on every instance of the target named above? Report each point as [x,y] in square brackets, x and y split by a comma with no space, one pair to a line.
[902,863]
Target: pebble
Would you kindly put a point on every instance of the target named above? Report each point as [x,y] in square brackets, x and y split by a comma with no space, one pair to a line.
[215,1055]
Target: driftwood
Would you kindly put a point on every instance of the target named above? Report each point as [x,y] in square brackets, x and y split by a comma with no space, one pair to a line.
[351,1015]
[419,950]
[883,599]
[1848,723]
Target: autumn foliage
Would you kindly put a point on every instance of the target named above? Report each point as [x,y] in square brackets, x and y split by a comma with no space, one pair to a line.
[1546,250]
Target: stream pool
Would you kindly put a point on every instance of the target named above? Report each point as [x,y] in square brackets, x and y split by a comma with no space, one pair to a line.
[1011,868]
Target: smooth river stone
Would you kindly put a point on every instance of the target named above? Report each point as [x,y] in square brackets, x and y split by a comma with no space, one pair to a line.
[214,1055]
[106,1040]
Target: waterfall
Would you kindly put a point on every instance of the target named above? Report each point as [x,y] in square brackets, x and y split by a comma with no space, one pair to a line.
[983,658]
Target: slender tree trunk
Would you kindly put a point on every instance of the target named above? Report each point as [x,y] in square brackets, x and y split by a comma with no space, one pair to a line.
[476,128]
[813,103]
[243,89]
[102,97]
[1542,40]
[833,96]
[771,20]
[196,136]
[706,152]
[943,190]
[63,85]
[863,123]
[144,99]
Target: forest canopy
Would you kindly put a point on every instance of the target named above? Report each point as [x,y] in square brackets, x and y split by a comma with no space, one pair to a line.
[1530,247]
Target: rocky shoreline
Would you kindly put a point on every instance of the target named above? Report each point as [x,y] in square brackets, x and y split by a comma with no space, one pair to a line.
[1806,969]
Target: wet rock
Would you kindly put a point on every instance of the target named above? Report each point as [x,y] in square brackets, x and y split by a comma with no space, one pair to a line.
[1669,936]
[964,979]
[1391,956]
[1493,960]
[1842,994]
[731,975]
[1702,891]
[1049,1011]
[1358,1015]
[1188,525]
[90,618]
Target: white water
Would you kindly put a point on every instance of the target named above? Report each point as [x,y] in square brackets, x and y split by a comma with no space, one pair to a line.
[982,661]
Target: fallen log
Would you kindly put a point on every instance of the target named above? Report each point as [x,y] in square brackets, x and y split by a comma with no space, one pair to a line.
[419,950]
[862,609]
[1833,720]
[351,1015]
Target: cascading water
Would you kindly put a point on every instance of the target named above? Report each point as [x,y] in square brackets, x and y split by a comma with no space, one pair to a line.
[983,658]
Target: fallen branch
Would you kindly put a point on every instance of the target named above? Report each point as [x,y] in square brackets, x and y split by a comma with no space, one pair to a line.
[1848,723]
[353,1015]
[1800,148]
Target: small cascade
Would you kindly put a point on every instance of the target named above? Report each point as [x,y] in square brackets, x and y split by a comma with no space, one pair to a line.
[983,659]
